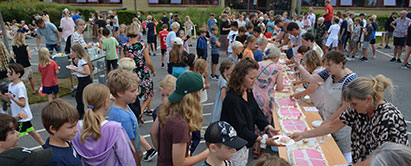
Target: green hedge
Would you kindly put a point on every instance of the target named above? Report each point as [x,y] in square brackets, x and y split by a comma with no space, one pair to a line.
[25,9]
[198,17]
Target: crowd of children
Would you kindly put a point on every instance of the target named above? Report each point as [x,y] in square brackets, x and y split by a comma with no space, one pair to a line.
[250,75]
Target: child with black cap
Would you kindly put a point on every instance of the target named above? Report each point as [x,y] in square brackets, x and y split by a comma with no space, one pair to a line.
[222,142]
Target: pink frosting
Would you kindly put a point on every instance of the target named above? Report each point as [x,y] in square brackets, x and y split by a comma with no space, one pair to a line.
[287,102]
[304,157]
[294,125]
[292,112]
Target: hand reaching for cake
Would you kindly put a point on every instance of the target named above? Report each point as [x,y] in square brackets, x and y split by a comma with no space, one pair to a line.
[271,131]
[271,142]
[297,136]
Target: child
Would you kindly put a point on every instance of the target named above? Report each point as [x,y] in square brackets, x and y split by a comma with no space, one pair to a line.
[110,46]
[333,33]
[226,67]
[21,53]
[169,42]
[242,36]
[202,44]
[48,70]
[250,28]
[222,142]
[237,52]
[124,86]
[259,52]
[355,37]
[177,58]
[268,159]
[231,36]
[19,103]
[9,136]
[99,141]
[82,71]
[179,115]
[215,52]
[190,60]
[182,36]
[251,42]
[60,120]
[163,36]
[151,35]
[367,38]
[166,88]
[211,22]
[188,26]
[122,38]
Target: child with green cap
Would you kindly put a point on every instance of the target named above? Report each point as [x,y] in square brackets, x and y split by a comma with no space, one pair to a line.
[179,115]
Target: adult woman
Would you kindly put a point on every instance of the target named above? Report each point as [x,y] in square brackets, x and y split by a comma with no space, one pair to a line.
[335,78]
[312,63]
[138,51]
[319,32]
[77,37]
[67,25]
[373,120]
[269,76]
[395,154]
[241,109]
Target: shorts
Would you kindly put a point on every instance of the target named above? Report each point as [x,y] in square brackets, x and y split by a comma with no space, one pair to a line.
[353,43]
[52,89]
[151,38]
[399,41]
[214,58]
[372,41]
[50,47]
[332,42]
[163,51]
[110,63]
[24,128]
[366,44]
[389,35]
[343,40]
[115,28]
[409,42]
[28,73]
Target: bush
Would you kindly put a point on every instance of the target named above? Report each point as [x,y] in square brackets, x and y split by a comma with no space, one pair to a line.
[26,9]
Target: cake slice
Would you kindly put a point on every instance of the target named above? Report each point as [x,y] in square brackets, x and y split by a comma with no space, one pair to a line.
[307,157]
[290,113]
[287,103]
[291,126]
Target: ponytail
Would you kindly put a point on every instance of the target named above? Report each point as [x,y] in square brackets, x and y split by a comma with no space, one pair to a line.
[381,84]
[363,87]
[94,96]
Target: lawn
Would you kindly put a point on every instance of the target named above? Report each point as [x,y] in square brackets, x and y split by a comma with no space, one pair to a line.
[64,88]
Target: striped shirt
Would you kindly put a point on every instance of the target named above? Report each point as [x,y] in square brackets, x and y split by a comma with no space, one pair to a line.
[348,78]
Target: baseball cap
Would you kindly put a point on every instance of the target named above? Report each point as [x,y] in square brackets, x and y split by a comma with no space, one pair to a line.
[223,132]
[186,83]
[178,41]
[26,157]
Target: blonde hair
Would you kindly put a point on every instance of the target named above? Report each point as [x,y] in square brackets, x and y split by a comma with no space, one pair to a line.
[119,81]
[94,96]
[200,65]
[133,30]
[4,56]
[175,26]
[271,160]
[168,82]
[263,41]
[126,64]
[321,19]
[273,53]
[81,54]
[149,17]
[44,57]
[237,44]
[188,107]
[312,60]
[363,87]
[19,39]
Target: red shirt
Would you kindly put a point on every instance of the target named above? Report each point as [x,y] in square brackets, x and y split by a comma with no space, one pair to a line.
[163,38]
[48,74]
[329,16]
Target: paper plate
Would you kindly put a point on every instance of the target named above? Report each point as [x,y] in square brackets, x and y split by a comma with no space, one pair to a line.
[290,142]
[71,67]
[299,90]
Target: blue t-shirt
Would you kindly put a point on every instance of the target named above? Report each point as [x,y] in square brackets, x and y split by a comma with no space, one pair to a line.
[150,27]
[63,156]
[211,23]
[214,48]
[218,103]
[348,78]
[170,37]
[75,17]
[269,29]
[123,39]
[375,26]
[127,119]
[258,55]
[49,32]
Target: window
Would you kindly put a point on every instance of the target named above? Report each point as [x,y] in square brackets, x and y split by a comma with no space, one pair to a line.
[360,3]
[90,1]
[186,2]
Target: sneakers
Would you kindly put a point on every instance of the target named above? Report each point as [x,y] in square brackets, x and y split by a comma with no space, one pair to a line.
[150,155]
[374,56]
[405,67]
[392,60]
[214,77]
[348,58]
[387,47]
[162,66]
[399,60]
[364,59]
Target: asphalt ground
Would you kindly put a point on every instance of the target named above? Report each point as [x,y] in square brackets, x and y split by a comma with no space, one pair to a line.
[401,78]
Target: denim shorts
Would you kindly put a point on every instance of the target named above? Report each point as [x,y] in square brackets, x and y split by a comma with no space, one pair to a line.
[53,46]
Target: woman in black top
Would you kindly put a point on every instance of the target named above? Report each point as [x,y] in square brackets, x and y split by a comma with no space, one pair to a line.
[241,110]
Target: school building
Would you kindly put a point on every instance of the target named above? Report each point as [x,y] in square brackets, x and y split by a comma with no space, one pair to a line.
[361,6]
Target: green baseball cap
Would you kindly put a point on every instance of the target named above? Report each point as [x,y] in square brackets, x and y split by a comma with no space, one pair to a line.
[186,83]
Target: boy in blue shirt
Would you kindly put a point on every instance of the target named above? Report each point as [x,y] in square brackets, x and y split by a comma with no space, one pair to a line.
[259,52]
[202,44]
[60,120]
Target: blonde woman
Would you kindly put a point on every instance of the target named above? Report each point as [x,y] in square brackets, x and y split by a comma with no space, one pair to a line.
[99,141]
[48,70]
[189,26]
[21,53]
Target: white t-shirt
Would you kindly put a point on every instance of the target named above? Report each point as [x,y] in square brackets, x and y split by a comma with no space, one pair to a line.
[312,19]
[334,31]
[241,23]
[350,25]
[19,91]
[80,64]
[231,38]
[318,49]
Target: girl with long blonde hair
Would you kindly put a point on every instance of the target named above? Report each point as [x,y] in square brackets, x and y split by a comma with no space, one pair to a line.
[179,115]
[5,59]
[48,70]
[101,142]
[83,71]
[21,53]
